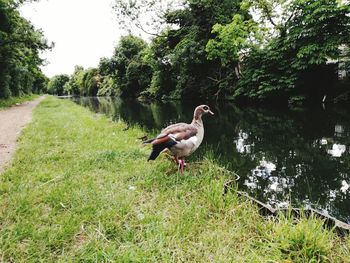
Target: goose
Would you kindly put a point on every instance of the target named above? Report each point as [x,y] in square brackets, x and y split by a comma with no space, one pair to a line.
[182,139]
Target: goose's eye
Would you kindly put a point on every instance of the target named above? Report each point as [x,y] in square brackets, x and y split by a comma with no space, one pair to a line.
[205,108]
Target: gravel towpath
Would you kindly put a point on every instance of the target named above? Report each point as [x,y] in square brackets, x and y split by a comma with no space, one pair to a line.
[12,121]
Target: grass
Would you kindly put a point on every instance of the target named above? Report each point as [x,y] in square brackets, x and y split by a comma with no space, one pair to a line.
[5,103]
[80,189]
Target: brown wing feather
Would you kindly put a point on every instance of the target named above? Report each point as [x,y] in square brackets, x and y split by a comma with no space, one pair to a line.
[186,134]
[161,140]
[171,128]
[180,131]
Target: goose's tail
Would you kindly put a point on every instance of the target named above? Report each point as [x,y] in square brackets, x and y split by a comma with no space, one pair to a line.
[158,148]
[148,141]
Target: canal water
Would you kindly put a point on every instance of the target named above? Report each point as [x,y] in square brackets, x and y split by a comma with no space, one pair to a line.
[283,156]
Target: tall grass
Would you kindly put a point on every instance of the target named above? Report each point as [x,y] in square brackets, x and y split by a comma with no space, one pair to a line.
[80,189]
[5,103]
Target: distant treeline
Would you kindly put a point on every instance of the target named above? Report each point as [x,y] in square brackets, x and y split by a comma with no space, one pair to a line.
[230,49]
[20,45]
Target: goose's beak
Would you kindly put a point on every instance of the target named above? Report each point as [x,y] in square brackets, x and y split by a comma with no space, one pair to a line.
[212,113]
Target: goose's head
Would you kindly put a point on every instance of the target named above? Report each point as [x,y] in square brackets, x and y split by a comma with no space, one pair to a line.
[202,110]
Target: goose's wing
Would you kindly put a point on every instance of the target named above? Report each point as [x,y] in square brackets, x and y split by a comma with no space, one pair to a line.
[176,133]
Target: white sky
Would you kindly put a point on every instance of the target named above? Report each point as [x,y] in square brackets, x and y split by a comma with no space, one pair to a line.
[83,32]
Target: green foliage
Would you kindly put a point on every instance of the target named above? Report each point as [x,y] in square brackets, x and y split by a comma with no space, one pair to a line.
[20,44]
[145,15]
[75,83]
[311,35]
[85,82]
[182,54]
[232,39]
[108,87]
[230,49]
[138,76]
[176,56]
[90,82]
[106,66]
[249,49]
[126,73]
[163,80]
[266,49]
[130,73]
[57,84]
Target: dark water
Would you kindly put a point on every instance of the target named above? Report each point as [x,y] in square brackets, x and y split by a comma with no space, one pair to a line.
[299,157]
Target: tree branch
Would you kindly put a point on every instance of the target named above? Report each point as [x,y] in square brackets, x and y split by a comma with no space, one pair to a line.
[145,31]
[268,16]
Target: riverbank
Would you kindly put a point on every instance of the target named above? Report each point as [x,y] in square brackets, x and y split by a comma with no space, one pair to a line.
[5,103]
[80,188]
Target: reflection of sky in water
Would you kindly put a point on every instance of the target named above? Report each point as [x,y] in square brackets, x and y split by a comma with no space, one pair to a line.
[263,171]
[277,187]
[274,184]
[337,150]
[344,186]
[338,130]
[241,145]
[334,148]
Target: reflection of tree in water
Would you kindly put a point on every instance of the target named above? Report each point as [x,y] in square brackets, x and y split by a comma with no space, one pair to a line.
[281,156]
[303,168]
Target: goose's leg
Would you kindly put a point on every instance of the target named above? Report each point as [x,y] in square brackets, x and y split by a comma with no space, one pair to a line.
[178,164]
[182,161]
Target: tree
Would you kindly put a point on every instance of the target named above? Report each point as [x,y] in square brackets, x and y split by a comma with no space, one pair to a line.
[91,82]
[84,82]
[20,44]
[180,57]
[75,83]
[147,16]
[224,49]
[301,38]
[130,73]
[57,83]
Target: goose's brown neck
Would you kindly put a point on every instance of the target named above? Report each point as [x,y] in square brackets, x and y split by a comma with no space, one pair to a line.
[197,119]
[197,115]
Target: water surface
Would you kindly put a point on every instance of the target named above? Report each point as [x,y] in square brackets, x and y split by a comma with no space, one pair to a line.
[283,156]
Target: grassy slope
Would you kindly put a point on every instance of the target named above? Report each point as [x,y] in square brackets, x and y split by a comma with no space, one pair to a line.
[80,189]
[5,103]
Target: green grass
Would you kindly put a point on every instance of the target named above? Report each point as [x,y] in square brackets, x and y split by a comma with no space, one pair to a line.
[5,103]
[80,189]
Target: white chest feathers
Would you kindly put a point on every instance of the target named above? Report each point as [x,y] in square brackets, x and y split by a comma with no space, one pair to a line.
[187,146]
[192,140]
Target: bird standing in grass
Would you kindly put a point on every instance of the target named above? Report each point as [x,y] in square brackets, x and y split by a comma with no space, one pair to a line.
[182,139]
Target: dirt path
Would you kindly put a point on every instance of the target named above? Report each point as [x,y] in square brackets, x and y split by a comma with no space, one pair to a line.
[12,121]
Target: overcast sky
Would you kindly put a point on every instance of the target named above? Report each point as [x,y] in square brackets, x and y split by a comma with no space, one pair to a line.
[83,32]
